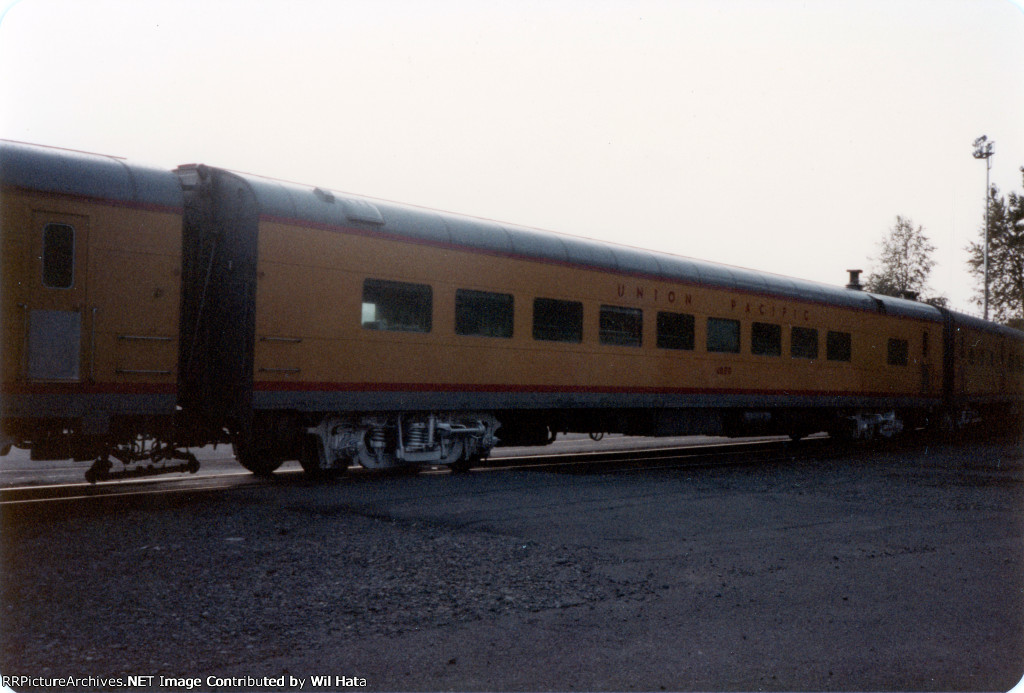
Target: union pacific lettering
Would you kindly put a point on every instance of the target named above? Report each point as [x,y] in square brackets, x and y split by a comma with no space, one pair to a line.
[670,296]
[767,309]
[752,309]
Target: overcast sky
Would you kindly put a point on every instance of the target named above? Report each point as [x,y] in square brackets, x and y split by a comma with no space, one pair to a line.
[783,136]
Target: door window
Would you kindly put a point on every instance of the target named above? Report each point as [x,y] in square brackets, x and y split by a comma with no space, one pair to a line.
[58,256]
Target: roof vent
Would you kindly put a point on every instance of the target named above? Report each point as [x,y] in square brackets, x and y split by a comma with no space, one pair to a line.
[361,210]
[325,195]
[855,280]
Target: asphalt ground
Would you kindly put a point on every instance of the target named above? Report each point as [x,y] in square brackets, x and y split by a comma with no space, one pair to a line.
[883,569]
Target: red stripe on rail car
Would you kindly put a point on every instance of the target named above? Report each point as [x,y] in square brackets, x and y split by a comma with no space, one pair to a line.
[89,388]
[94,199]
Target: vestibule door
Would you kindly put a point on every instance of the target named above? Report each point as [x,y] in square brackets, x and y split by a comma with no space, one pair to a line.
[56,347]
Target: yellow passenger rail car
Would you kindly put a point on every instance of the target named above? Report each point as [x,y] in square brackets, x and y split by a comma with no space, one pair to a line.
[310,324]
[91,264]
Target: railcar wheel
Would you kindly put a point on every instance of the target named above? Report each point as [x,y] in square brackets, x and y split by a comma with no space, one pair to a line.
[256,458]
[946,425]
[315,463]
[464,464]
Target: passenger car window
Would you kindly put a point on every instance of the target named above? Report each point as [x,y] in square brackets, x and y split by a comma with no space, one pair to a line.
[58,256]
[396,306]
[675,331]
[838,346]
[621,326]
[804,343]
[723,335]
[766,339]
[557,321]
[483,314]
[898,352]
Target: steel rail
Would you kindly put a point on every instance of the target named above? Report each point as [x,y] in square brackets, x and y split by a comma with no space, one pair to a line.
[603,461]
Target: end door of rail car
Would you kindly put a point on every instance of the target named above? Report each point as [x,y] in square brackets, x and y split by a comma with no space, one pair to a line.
[929,385]
[57,321]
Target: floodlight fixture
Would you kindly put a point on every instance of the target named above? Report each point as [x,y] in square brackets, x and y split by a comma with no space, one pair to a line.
[983,150]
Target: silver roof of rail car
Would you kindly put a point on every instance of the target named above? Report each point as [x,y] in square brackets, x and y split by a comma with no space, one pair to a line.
[95,176]
[290,201]
[980,324]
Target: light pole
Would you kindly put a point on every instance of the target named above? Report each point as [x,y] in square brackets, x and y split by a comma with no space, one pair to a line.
[983,150]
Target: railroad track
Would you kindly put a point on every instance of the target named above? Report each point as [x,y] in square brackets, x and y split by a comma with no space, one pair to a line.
[602,461]
[674,457]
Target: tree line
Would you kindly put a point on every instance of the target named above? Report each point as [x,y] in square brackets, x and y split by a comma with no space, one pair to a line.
[905,260]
